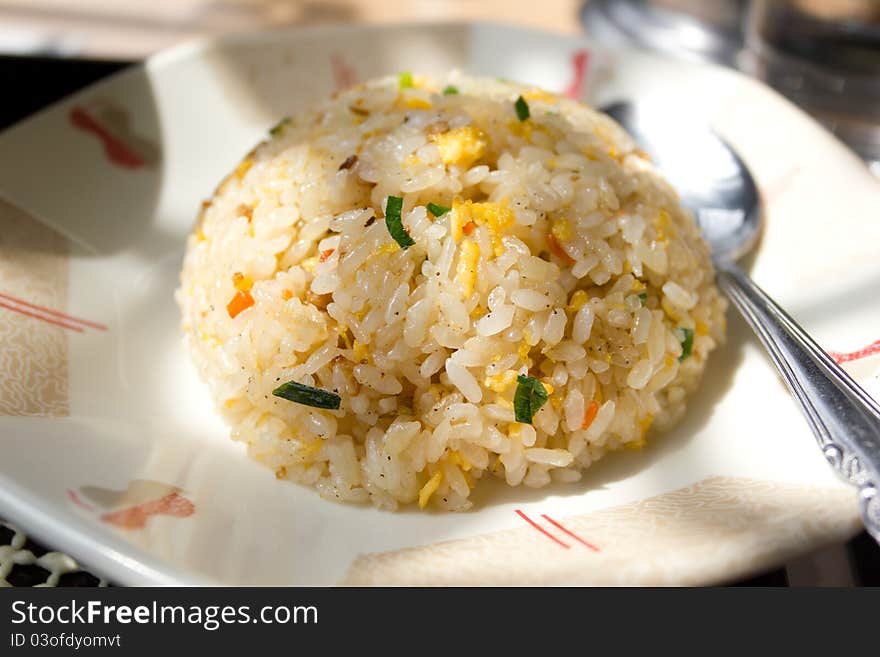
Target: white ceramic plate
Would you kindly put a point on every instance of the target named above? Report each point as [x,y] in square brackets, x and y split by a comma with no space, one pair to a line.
[110,447]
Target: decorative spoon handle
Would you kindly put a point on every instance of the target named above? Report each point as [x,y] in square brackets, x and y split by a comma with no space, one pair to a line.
[845,419]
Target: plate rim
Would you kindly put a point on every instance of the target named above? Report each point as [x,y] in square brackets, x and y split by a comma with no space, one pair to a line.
[132,565]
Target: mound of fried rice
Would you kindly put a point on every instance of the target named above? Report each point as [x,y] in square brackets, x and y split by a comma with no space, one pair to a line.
[563,257]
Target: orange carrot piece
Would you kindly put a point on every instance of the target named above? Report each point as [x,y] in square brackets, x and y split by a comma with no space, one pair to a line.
[468,228]
[557,249]
[325,254]
[240,302]
[590,414]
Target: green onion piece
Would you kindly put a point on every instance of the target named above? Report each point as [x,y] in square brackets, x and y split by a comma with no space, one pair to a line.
[643,297]
[437,210]
[278,128]
[687,344]
[307,395]
[522,109]
[393,206]
[450,90]
[530,396]
[405,80]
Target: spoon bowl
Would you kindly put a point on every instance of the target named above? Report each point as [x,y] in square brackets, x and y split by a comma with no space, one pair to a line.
[714,182]
[721,192]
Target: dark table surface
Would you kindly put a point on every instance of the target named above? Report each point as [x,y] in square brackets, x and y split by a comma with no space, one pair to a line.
[31,83]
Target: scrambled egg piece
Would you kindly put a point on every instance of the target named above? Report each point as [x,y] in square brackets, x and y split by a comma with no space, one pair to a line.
[466,272]
[501,381]
[461,146]
[670,310]
[579,299]
[523,352]
[522,129]
[662,223]
[561,230]
[342,329]
[389,247]
[309,449]
[243,168]
[416,102]
[495,216]
[644,425]
[361,351]
[242,282]
[540,94]
[456,458]
[430,488]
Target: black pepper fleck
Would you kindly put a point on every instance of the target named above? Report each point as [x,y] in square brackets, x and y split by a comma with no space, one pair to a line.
[348,163]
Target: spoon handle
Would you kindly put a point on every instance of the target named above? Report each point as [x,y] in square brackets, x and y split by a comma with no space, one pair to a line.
[844,418]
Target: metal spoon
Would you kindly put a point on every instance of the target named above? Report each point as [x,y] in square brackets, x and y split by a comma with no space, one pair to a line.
[715,184]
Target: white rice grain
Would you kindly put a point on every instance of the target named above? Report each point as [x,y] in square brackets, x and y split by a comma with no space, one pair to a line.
[464,381]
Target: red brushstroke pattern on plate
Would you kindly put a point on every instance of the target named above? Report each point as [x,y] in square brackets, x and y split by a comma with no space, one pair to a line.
[538,527]
[568,532]
[132,507]
[781,185]
[71,494]
[48,320]
[343,74]
[54,317]
[580,60]
[135,517]
[116,150]
[864,352]
[556,525]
